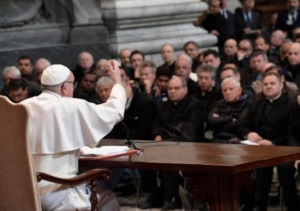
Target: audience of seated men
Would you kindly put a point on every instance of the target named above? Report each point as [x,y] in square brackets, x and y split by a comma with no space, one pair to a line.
[86,88]
[270,121]
[224,116]
[85,63]
[12,72]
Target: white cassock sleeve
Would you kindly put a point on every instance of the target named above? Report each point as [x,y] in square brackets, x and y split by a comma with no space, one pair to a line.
[59,124]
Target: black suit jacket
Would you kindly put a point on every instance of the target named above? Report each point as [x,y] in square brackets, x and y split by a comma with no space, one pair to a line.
[220,24]
[138,118]
[182,121]
[282,23]
[276,121]
[241,24]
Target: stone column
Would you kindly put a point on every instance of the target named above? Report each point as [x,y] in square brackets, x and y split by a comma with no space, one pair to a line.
[88,24]
[147,24]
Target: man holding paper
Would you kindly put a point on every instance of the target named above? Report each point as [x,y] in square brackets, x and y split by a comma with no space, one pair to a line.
[270,121]
[59,125]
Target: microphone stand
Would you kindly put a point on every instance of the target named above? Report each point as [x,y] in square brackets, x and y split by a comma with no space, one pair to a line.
[130,143]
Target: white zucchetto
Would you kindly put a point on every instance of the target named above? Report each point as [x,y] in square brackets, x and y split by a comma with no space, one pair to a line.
[55,74]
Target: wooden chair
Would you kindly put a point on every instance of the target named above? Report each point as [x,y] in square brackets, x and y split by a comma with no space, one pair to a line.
[18,179]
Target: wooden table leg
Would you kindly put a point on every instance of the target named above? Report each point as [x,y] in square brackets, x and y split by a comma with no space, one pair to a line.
[220,191]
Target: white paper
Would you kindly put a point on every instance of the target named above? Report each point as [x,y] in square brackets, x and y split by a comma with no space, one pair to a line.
[247,142]
[104,150]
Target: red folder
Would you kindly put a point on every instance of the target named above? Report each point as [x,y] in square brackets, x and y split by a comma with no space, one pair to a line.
[101,157]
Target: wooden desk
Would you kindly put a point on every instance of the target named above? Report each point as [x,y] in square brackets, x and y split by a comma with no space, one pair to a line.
[217,171]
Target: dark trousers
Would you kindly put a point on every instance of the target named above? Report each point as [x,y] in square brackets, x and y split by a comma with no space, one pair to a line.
[172,181]
[286,176]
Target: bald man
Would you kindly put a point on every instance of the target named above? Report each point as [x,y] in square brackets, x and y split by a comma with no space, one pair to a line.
[85,63]
[230,51]
[292,68]
[39,67]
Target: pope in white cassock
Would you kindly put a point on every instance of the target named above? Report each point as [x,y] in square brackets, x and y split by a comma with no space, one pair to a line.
[59,125]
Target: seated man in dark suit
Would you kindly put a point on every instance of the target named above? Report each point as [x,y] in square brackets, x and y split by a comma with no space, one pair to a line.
[270,121]
[206,92]
[181,119]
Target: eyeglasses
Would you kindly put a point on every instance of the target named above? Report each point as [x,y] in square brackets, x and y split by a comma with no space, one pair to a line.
[72,82]
[176,88]
[243,49]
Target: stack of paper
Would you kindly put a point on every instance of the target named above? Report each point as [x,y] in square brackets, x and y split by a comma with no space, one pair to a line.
[247,142]
[104,150]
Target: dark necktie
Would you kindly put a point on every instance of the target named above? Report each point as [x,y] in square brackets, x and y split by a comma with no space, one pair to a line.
[293,16]
[225,14]
[248,19]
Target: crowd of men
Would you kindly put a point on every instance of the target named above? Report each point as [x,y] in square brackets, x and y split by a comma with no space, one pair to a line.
[247,89]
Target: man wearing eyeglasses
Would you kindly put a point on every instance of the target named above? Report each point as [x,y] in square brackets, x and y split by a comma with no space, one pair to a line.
[180,119]
[60,125]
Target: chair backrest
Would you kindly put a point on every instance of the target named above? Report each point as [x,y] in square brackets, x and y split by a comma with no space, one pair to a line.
[18,184]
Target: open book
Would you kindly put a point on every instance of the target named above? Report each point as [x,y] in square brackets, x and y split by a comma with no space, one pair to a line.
[104,150]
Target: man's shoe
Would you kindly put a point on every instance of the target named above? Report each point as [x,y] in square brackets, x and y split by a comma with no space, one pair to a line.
[172,204]
[187,198]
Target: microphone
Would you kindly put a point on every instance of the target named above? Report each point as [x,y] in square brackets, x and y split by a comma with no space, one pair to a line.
[130,143]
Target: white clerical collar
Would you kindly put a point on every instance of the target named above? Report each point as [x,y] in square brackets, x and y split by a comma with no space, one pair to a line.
[128,102]
[271,100]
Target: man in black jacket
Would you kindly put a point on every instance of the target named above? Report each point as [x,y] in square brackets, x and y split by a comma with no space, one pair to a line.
[271,121]
[181,119]
[224,116]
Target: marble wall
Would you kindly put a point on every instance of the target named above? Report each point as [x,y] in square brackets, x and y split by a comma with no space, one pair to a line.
[146,25]
[61,29]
